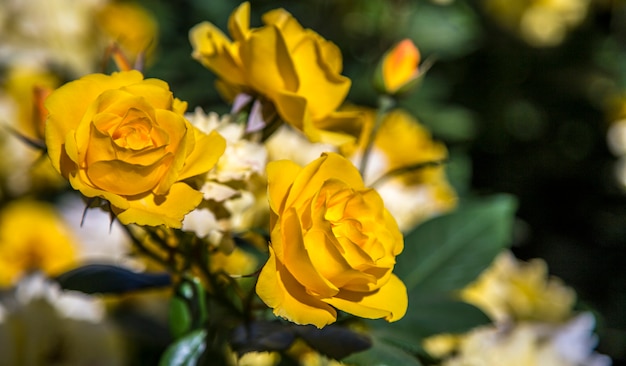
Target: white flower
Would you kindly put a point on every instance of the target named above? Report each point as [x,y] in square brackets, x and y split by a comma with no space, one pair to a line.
[242,157]
[287,143]
[99,238]
[231,189]
[42,325]
[532,344]
[58,32]
[69,304]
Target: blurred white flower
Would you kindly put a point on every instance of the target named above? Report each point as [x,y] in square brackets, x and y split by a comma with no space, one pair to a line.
[616,137]
[42,325]
[57,32]
[530,344]
[99,237]
[287,143]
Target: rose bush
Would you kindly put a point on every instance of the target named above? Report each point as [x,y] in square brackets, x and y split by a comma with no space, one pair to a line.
[333,245]
[294,68]
[124,139]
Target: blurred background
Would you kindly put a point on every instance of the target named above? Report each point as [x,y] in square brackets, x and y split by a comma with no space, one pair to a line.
[528,95]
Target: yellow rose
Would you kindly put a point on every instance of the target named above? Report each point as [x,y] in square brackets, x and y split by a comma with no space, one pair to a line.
[513,290]
[333,245]
[295,68]
[33,237]
[124,139]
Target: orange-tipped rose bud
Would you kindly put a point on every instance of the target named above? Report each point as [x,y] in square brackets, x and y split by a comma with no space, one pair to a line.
[398,72]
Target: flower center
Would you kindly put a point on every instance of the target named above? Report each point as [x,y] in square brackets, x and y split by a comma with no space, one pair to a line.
[134,131]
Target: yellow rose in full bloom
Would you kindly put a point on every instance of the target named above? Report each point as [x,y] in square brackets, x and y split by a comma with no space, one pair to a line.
[294,68]
[124,139]
[333,245]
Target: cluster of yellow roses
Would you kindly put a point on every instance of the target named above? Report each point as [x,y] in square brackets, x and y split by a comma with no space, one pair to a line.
[126,140]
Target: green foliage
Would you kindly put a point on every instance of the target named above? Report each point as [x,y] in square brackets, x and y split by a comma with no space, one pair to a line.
[445,31]
[427,317]
[382,353]
[186,351]
[188,308]
[448,252]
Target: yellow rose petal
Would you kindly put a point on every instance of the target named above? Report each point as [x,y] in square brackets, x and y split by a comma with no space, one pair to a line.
[390,301]
[280,176]
[239,22]
[114,176]
[215,51]
[280,291]
[288,25]
[329,166]
[158,210]
[207,151]
[268,63]
[323,89]
[297,260]
[293,109]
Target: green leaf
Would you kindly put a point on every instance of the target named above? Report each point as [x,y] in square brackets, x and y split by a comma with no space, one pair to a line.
[186,351]
[382,354]
[450,251]
[435,315]
[187,308]
[179,317]
[409,341]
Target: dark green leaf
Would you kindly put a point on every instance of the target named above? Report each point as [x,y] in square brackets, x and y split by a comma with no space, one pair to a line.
[186,351]
[382,354]
[435,315]
[409,341]
[110,279]
[334,341]
[448,252]
[262,336]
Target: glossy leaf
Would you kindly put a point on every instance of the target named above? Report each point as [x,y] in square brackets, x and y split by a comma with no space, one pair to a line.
[179,317]
[186,351]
